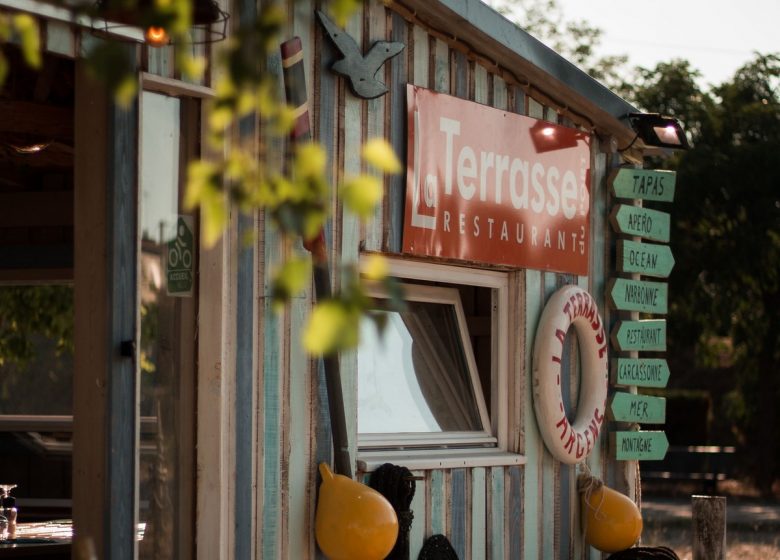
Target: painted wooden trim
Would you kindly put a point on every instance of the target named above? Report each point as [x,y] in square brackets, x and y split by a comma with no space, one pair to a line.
[174,88]
[532,494]
[431,459]
[478,514]
[396,193]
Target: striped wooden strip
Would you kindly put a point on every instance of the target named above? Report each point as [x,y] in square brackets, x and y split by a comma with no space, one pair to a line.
[534,447]
[497,535]
[550,467]
[436,499]
[478,513]
[460,74]
[481,85]
[458,507]
[420,46]
[518,518]
[441,67]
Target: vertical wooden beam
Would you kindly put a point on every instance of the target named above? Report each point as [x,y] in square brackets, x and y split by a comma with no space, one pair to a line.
[709,527]
[394,219]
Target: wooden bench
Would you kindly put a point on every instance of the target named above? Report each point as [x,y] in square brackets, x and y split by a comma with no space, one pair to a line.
[705,464]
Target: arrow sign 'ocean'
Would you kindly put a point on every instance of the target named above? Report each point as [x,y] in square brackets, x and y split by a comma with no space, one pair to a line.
[633,220]
[641,409]
[648,335]
[640,446]
[642,372]
[643,184]
[638,295]
[645,258]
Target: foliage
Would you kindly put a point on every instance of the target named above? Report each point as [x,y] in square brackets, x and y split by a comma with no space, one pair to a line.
[576,40]
[726,241]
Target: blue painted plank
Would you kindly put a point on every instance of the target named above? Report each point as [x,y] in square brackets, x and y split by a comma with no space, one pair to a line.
[517,525]
[458,511]
[436,498]
[479,513]
[397,184]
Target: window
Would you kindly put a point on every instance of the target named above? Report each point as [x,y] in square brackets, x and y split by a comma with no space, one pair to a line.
[432,387]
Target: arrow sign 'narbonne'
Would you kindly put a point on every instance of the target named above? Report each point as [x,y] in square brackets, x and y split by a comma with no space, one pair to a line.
[643,222]
[644,184]
[640,446]
[641,409]
[638,295]
[644,258]
[642,372]
[648,335]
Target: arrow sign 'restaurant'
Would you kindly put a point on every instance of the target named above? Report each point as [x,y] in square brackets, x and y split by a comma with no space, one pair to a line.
[645,258]
[640,446]
[638,295]
[643,184]
[649,335]
[633,220]
[642,372]
[641,409]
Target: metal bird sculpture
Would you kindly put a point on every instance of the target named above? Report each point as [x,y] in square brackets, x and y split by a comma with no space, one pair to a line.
[361,70]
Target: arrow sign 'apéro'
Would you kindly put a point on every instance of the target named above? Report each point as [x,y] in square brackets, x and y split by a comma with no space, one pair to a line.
[649,335]
[641,409]
[642,222]
[642,372]
[643,184]
[645,258]
[638,295]
[640,446]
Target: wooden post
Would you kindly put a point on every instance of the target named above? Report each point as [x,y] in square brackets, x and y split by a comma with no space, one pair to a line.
[709,527]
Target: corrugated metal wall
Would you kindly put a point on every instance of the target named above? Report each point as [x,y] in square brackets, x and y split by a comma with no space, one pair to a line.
[500,512]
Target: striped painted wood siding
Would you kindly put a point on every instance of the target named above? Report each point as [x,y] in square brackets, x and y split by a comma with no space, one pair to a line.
[526,512]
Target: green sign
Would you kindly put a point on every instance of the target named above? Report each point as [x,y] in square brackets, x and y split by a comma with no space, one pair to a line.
[642,222]
[649,335]
[641,409]
[640,446]
[642,372]
[180,259]
[643,184]
[638,295]
[644,258]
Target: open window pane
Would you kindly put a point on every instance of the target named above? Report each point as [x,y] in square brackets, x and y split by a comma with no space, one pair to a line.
[419,375]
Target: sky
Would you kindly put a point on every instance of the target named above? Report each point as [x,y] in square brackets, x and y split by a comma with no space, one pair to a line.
[716,36]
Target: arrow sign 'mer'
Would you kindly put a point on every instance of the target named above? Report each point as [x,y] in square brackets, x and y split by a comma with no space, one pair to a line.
[642,372]
[634,220]
[638,295]
[640,446]
[641,409]
[643,184]
[649,335]
[645,258]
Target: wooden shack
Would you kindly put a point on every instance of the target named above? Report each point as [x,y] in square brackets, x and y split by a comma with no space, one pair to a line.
[208,426]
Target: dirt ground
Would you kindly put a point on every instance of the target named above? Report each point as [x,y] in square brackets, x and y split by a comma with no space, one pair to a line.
[741,545]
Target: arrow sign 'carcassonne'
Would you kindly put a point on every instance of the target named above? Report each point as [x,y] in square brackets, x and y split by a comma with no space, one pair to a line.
[641,372]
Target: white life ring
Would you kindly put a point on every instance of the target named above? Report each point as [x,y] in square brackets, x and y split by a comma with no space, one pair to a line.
[570,443]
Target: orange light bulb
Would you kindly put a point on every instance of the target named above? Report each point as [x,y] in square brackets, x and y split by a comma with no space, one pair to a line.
[157,37]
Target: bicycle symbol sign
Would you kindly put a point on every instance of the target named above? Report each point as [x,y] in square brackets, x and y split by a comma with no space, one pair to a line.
[180,259]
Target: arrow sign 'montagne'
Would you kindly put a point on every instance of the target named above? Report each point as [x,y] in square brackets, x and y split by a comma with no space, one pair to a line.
[649,335]
[642,372]
[638,295]
[643,184]
[645,258]
[640,446]
[634,220]
[641,409]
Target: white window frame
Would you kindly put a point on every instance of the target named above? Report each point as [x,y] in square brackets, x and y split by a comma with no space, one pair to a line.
[467,449]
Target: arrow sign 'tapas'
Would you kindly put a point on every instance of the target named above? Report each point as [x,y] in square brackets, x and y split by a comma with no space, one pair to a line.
[643,184]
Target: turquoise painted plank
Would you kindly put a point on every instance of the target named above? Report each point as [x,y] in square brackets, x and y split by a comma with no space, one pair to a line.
[458,511]
[437,499]
[459,74]
[521,520]
[550,468]
[535,109]
[499,93]
[478,513]
[421,56]
[497,535]
[417,532]
[533,445]
[481,88]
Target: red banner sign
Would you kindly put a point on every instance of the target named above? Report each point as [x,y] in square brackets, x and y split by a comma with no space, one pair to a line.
[489,186]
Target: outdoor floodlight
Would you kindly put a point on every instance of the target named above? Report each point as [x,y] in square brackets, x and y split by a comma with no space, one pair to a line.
[657,130]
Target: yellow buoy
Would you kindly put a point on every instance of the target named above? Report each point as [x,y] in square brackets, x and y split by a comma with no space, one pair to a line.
[353,521]
[611,520]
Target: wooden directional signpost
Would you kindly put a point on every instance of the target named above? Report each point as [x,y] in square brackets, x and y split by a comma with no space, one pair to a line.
[648,259]
[634,294]
[641,372]
[626,407]
[643,184]
[642,222]
[638,295]
[640,446]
